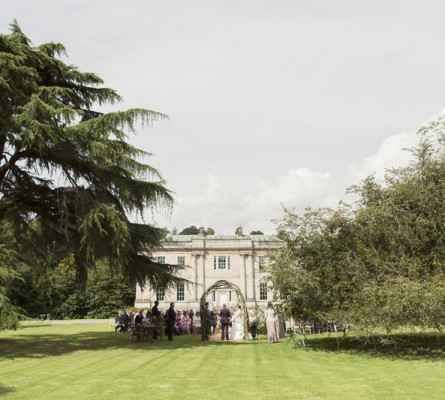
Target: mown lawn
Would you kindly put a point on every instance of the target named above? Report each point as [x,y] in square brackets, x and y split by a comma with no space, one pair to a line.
[91,362]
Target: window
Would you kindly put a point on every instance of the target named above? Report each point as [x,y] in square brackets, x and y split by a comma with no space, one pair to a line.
[221,262]
[263,291]
[180,295]
[161,260]
[181,262]
[160,294]
[262,262]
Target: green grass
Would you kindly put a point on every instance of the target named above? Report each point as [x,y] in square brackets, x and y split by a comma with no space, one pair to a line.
[90,362]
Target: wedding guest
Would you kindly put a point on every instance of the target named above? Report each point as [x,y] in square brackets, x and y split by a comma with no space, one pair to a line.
[178,325]
[185,323]
[138,320]
[119,321]
[214,321]
[155,313]
[225,319]
[197,323]
[146,317]
[207,320]
[171,319]
[270,324]
[127,320]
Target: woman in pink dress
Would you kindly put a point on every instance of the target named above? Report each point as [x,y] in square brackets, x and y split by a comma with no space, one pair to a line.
[186,323]
[270,324]
[197,323]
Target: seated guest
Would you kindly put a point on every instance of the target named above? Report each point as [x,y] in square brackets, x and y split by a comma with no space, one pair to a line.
[147,317]
[127,320]
[178,325]
[196,323]
[186,323]
[119,321]
[138,320]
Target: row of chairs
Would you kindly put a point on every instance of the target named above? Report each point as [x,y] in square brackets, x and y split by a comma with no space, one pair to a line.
[142,334]
[311,327]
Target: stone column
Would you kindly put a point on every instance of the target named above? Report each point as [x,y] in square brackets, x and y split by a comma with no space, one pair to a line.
[252,268]
[243,272]
[195,280]
[251,283]
[203,274]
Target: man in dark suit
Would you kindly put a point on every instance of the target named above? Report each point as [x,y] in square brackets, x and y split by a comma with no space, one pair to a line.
[127,320]
[224,313]
[208,320]
[139,317]
[171,319]
[155,313]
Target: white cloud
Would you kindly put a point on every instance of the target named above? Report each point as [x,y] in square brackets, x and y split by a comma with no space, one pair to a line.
[391,154]
[219,205]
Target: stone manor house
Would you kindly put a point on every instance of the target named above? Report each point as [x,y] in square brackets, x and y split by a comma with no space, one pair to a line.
[238,259]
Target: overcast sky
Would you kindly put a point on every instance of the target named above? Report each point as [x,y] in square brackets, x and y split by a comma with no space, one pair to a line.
[270,102]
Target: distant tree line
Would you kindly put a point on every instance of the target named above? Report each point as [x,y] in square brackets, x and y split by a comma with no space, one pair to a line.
[193,230]
[57,292]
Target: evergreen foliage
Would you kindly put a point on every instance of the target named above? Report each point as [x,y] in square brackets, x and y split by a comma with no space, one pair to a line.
[69,180]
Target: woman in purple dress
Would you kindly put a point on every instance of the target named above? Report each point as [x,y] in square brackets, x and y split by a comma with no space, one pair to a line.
[178,325]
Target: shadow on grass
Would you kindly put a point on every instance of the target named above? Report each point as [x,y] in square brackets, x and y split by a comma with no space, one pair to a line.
[407,346]
[5,389]
[29,345]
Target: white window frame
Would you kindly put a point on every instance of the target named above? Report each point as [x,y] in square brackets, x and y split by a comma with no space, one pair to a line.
[262,262]
[263,291]
[221,262]
[180,291]
[160,294]
[181,261]
[161,259]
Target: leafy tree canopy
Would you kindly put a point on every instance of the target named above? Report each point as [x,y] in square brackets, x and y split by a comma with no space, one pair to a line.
[68,177]
[256,233]
[379,262]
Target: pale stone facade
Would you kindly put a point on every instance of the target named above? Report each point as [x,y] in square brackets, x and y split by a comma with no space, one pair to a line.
[237,258]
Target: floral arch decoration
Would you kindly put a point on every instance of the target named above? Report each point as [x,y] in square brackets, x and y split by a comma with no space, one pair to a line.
[222,284]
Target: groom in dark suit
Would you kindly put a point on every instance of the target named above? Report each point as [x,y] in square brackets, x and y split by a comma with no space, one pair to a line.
[224,313]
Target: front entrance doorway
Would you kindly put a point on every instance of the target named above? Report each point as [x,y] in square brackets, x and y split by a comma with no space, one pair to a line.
[223,299]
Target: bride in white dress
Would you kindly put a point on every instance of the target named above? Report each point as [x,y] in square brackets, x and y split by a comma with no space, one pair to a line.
[237,331]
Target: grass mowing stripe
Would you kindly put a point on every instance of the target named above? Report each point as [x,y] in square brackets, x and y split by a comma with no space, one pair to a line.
[85,362]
